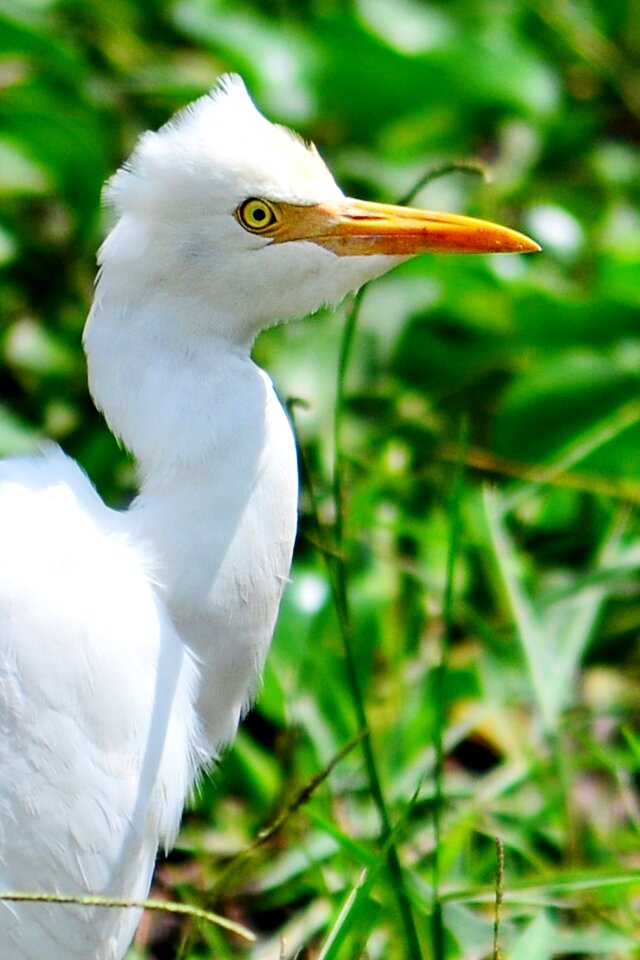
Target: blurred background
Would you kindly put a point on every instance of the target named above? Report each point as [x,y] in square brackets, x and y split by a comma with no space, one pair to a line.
[486,531]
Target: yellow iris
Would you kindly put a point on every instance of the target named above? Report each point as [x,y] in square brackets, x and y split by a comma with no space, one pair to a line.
[257,215]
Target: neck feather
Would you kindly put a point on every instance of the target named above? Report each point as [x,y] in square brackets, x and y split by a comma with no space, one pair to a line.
[218,501]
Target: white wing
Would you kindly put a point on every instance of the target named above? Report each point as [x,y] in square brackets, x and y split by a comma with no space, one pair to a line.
[98,734]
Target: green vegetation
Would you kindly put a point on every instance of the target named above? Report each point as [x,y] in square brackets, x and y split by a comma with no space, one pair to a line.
[468,580]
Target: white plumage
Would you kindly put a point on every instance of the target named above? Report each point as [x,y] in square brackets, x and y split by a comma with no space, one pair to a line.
[98,732]
[131,643]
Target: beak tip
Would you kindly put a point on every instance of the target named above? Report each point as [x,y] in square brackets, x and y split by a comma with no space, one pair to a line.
[519,243]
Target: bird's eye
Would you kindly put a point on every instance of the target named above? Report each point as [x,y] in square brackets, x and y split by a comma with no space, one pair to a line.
[257,216]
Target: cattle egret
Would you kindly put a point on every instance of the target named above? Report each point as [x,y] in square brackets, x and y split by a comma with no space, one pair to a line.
[131,642]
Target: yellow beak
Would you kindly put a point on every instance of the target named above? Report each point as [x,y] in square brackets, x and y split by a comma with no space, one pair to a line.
[360,228]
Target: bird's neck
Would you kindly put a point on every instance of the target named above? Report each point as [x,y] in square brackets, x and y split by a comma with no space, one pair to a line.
[218,494]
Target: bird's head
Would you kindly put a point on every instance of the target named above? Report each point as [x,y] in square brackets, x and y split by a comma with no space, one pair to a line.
[243,219]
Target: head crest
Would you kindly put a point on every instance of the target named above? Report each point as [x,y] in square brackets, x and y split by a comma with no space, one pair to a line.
[217,151]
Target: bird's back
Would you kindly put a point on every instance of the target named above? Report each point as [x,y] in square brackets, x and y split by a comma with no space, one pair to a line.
[98,736]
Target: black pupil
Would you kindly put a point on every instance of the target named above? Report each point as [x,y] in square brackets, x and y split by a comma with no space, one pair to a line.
[259,215]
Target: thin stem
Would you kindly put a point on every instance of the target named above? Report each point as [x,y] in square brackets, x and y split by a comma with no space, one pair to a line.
[335,558]
[344,617]
[440,676]
[160,906]
[496,952]
[264,836]
[441,170]
[346,344]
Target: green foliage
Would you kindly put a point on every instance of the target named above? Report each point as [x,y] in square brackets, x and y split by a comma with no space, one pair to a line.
[491,622]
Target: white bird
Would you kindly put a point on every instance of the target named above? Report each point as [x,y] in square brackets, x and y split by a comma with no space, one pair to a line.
[132,642]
